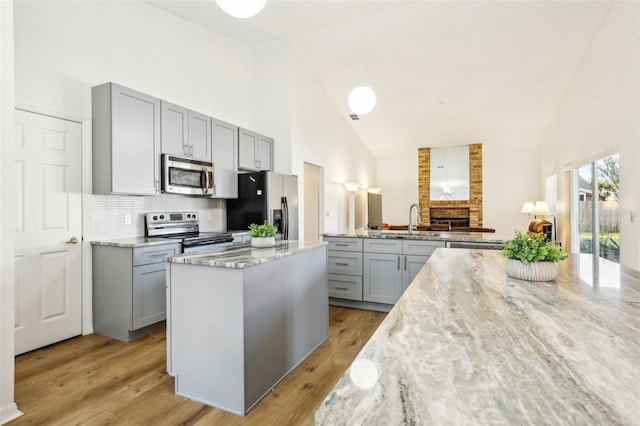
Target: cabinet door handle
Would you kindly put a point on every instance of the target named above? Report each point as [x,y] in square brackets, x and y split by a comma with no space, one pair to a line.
[342,264]
[398,263]
[342,288]
[342,245]
[405,263]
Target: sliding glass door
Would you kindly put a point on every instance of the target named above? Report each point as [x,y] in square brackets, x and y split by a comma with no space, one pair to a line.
[596,217]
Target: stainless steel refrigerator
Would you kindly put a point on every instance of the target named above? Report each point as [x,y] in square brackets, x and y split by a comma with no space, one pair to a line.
[265,196]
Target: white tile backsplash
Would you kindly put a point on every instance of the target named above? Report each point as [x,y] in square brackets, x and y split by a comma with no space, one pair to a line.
[108,213]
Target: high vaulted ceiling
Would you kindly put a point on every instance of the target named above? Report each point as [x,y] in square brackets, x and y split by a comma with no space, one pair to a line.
[445,73]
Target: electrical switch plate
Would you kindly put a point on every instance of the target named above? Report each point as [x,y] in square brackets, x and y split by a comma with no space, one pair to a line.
[127,219]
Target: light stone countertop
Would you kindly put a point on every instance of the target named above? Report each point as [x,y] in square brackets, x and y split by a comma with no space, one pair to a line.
[243,255]
[135,242]
[480,237]
[468,345]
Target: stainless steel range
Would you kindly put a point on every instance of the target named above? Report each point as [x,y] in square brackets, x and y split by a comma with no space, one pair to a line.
[184,227]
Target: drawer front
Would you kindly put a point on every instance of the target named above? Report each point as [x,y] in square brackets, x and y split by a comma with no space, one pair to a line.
[344,262]
[345,286]
[345,244]
[154,254]
[421,248]
[382,245]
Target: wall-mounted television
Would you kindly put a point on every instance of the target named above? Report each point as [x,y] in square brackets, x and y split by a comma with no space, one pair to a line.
[374,210]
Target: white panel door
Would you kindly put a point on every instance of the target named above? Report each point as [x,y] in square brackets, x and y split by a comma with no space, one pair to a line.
[47,231]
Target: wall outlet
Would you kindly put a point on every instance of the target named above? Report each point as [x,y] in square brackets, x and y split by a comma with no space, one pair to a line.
[127,219]
[209,217]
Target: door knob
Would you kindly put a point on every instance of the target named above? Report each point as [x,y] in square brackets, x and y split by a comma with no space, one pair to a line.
[72,240]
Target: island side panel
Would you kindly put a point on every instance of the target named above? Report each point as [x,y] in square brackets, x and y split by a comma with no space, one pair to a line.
[206,335]
[286,310]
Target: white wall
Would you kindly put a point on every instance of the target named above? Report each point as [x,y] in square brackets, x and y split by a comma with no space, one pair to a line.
[65,48]
[510,177]
[8,408]
[600,114]
[322,136]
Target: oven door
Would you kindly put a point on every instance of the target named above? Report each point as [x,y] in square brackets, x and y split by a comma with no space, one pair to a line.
[186,176]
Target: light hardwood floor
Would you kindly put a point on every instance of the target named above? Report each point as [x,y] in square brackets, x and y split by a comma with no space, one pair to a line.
[96,380]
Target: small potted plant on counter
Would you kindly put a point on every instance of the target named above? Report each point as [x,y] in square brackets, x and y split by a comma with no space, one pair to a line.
[262,235]
[530,257]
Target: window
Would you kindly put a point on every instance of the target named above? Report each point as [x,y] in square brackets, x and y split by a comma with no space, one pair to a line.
[595,222]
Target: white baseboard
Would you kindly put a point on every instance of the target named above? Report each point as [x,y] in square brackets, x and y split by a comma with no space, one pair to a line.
[9,412]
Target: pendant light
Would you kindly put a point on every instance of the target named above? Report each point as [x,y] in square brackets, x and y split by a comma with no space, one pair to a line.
[241,8]
[362,99]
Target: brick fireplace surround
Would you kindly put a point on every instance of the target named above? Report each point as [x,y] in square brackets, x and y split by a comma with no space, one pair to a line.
[449,209]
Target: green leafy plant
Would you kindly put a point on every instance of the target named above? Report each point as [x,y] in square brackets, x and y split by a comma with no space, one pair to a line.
[533,248]
[264,230]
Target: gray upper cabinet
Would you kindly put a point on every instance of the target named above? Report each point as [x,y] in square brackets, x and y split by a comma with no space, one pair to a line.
[185,133]
[255,151]
[264,152]
[200,135]
[175,129]
[224,148]
[126,141]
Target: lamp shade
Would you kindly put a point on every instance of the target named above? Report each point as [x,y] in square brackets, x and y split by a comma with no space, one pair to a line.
[541,209]
[241,8]
[362,100]
[527,207]
[351,186]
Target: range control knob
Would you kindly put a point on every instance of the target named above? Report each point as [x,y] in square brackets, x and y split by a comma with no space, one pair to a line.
[161,216]
[193,216]
[155,217]
[188,216]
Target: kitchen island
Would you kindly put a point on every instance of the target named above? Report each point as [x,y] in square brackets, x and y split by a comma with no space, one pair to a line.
[241,318]
[466,344]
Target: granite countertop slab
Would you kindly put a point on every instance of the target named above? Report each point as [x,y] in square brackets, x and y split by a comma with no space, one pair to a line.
[135,242]
[243,255]
[468,345]
[480,237]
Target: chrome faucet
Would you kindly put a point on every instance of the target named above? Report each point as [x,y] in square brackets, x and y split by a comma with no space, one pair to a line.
[411,226]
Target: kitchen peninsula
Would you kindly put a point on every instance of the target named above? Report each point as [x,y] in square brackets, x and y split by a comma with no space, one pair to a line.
[466,344]
[239,319]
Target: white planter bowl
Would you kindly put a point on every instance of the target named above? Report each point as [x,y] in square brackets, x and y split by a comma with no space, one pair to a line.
[260,242]
[532,271]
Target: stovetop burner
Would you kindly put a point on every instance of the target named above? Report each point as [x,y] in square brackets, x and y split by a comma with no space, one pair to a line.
[182,226]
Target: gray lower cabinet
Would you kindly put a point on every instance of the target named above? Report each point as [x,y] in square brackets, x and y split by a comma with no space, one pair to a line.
[376,270]
[126,141]
[415,255]
[391,265]
[129,289]
[344,267]
[382,276]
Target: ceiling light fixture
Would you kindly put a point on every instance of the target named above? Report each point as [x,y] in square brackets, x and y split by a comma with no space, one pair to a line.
[362,99]
[242,9]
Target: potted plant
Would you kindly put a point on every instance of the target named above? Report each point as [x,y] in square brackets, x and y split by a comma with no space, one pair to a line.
[530,257]
[263,235]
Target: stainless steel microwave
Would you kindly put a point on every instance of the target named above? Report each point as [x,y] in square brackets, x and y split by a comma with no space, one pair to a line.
[186,176]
